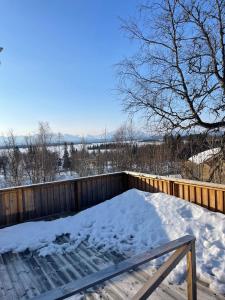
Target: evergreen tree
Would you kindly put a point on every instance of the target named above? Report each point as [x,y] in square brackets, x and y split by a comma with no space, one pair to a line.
[72,149]
[66,158]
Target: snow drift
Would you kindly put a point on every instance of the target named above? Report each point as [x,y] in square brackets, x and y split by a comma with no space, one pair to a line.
[131,223]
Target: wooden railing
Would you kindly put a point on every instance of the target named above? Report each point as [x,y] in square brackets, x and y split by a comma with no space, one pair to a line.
[36,201]
[205,194]
[182,246]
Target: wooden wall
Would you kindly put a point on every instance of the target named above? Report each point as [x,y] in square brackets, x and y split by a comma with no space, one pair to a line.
[36,201]
[24,203]
[208,195]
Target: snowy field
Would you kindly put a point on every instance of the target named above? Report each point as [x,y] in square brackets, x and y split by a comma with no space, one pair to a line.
[60,148]
[131,223]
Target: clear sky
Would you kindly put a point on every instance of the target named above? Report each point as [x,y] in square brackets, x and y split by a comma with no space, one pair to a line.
[57,64]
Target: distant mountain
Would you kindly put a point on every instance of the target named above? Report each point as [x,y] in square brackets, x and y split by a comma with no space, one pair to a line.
[19,139]
[99,138]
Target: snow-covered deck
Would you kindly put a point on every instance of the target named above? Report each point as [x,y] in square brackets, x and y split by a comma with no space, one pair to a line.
[36,257]
[26,275]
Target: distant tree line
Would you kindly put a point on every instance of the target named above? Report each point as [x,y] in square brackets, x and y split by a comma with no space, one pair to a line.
[39,162]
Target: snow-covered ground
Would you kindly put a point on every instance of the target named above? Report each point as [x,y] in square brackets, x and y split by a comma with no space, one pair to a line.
[66,175]
[63,175]
[204,156]
[131,223]
[60,148]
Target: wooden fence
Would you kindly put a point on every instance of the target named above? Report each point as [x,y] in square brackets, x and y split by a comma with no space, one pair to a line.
[24,203]
[208,195]
[59,197]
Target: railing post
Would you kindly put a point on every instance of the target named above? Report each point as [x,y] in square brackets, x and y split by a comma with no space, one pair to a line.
[170,187]
[191,273]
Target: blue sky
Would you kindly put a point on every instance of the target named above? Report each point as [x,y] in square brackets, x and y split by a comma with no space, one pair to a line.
[57,64]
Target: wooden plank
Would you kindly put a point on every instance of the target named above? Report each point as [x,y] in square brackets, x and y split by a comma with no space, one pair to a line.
[6,280]
[176,189]
[115,270]
[44,282]
[2,210]
[67,196]
[181,191]
[24,277]
[205,197]
[100,191]
[6,202]
[143,180]
[37,201]
[125,181]
[16,283]
[57,199]
[51,204]
[70,193]
[108,190]
[95,192]
[192,194]
[137,186]
[198,195]
[156,185]
[13,207]
[103,187]
[170,188]
[152,185]
[151,284]
[73,199]
[191,273]
[60,197]
[79,201]
[83,194]
[41,200]
[186,192]
[220,202]
[130,181]
[148,187]
[44,200]
[160,185]
[212,199]
[165,187]
[29,203]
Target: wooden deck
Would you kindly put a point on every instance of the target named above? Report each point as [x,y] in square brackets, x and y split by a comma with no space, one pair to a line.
[27,275]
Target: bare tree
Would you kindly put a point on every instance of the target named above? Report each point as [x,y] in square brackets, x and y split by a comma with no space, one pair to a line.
[41,162]
[178,75]
[14,173]
[124,138]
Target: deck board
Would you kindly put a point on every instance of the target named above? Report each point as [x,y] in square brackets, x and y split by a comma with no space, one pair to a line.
[26,275]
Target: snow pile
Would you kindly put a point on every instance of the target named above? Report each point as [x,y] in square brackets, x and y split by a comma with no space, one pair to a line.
[204,156]
[131,223]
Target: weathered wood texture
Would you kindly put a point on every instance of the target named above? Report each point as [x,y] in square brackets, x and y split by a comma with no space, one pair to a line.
[208,195]
[183,244]
[31,202]
[24,203]
[26,275]
[152,284]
